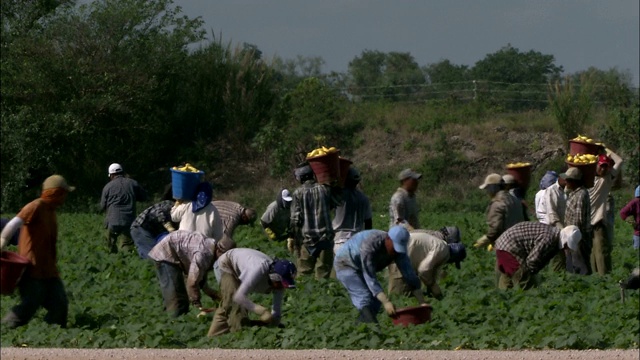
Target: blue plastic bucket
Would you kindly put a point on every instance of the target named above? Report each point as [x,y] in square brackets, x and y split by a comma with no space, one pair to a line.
[184,183]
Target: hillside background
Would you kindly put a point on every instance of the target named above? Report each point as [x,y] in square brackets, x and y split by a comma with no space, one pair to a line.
[136,82]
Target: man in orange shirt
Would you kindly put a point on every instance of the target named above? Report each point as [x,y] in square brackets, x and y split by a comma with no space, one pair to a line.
[40,284]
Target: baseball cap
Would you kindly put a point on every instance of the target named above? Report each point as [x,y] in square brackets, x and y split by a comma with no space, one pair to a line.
[452,234]
[604,160]
[115,168]
[287,271]
[353,174]
[400,238]
[457,253]
[491,179]
[56,181]
[572,173]
[286,195]
[409,173]
[570,236]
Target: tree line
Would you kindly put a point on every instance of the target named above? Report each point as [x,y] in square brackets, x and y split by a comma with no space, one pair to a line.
[139,83]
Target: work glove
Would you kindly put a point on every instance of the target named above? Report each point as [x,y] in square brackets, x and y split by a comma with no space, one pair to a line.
[388,306]
[482,242]
[204,312]
[264,313]
[169,226]
[270,234]
[490,247]
[291,245]
[631,220]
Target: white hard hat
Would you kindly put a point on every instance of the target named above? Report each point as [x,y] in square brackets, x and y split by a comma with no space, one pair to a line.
[115,168]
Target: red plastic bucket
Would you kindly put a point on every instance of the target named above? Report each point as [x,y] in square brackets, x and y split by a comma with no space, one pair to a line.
[412,315]
[588,172]
[522,175]
[12,266]
[583,147]
[326,167]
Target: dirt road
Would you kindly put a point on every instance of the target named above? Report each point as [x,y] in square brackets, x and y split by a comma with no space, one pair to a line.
[224,354]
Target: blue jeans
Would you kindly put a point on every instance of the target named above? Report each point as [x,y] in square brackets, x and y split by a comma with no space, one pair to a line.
[174,292]
[144,241]
[636,242]
[359,292]
[36,293]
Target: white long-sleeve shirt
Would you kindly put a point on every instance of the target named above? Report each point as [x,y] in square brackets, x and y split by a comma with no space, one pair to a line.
[541,207]
[555,204]
[599,193]
[252,268]
[206,221]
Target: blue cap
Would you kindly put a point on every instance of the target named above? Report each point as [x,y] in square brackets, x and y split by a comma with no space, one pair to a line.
[457,253]
[400,238]
[287,271]
[638,191]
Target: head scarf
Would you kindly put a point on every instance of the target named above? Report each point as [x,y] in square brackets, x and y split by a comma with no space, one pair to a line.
[549,178]
[204,195]
[54,196]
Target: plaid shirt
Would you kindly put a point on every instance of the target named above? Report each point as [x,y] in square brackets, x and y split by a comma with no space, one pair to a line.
[231,215]
[192,252]
[578,211]
[310,213]
[154,217]
[533,244]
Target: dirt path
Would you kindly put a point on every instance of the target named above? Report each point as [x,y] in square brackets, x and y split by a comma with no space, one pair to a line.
[222,354]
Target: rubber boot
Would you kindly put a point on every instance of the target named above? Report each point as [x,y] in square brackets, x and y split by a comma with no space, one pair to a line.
[366,316]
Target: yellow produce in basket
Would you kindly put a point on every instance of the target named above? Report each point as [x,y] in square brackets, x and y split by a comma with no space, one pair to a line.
[321,151]
[582,159]
[584,139]
[186,168]
[517,165]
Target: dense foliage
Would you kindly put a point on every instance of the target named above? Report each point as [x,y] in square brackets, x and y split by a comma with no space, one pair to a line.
[115,301]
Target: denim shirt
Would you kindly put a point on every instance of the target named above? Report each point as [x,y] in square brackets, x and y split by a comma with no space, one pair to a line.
[366,253]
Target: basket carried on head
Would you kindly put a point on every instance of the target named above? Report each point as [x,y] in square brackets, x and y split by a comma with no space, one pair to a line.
[184,183]
[588,172]
[583,147]
[12,266]
[326,167]
[521,172]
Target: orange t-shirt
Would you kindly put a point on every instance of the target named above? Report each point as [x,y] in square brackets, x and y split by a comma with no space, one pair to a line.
[38,238]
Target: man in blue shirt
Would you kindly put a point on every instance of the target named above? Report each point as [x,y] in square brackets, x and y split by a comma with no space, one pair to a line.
[359,259]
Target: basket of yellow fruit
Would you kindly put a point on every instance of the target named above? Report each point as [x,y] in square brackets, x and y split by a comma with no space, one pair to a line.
[325,163]
[521,172]
[584,145]
[587,164]
[184,180]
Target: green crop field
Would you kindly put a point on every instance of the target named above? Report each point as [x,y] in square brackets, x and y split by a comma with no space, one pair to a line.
[115,302]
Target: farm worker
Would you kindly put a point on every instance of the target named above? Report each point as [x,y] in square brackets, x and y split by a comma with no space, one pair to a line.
[152,222]
[607,169]
[367,253]
[311,224]
[549,178]
[631,214]
[428,255]
[449,234]
[119,198]
[13,240]
[503,211]
[515,190]
[233,214]
[243,272]
[527,247]
[199,215]
[40,285]
[403,206]
[555,203]
[578,213]
[354,214]
[187,253]
[276,219]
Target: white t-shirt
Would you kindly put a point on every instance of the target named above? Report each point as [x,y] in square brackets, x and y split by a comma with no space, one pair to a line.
[541,207]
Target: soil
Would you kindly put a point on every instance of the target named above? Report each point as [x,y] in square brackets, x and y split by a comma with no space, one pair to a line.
[213,354]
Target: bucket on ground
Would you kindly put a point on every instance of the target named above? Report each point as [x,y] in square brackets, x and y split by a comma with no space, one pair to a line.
[12,266]
[412,315]
[326,167]
[184,183]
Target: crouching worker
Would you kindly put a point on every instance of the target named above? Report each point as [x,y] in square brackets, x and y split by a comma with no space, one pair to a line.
[526,248]
[428,255]
[359,259]
[241,272]
[186,253]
